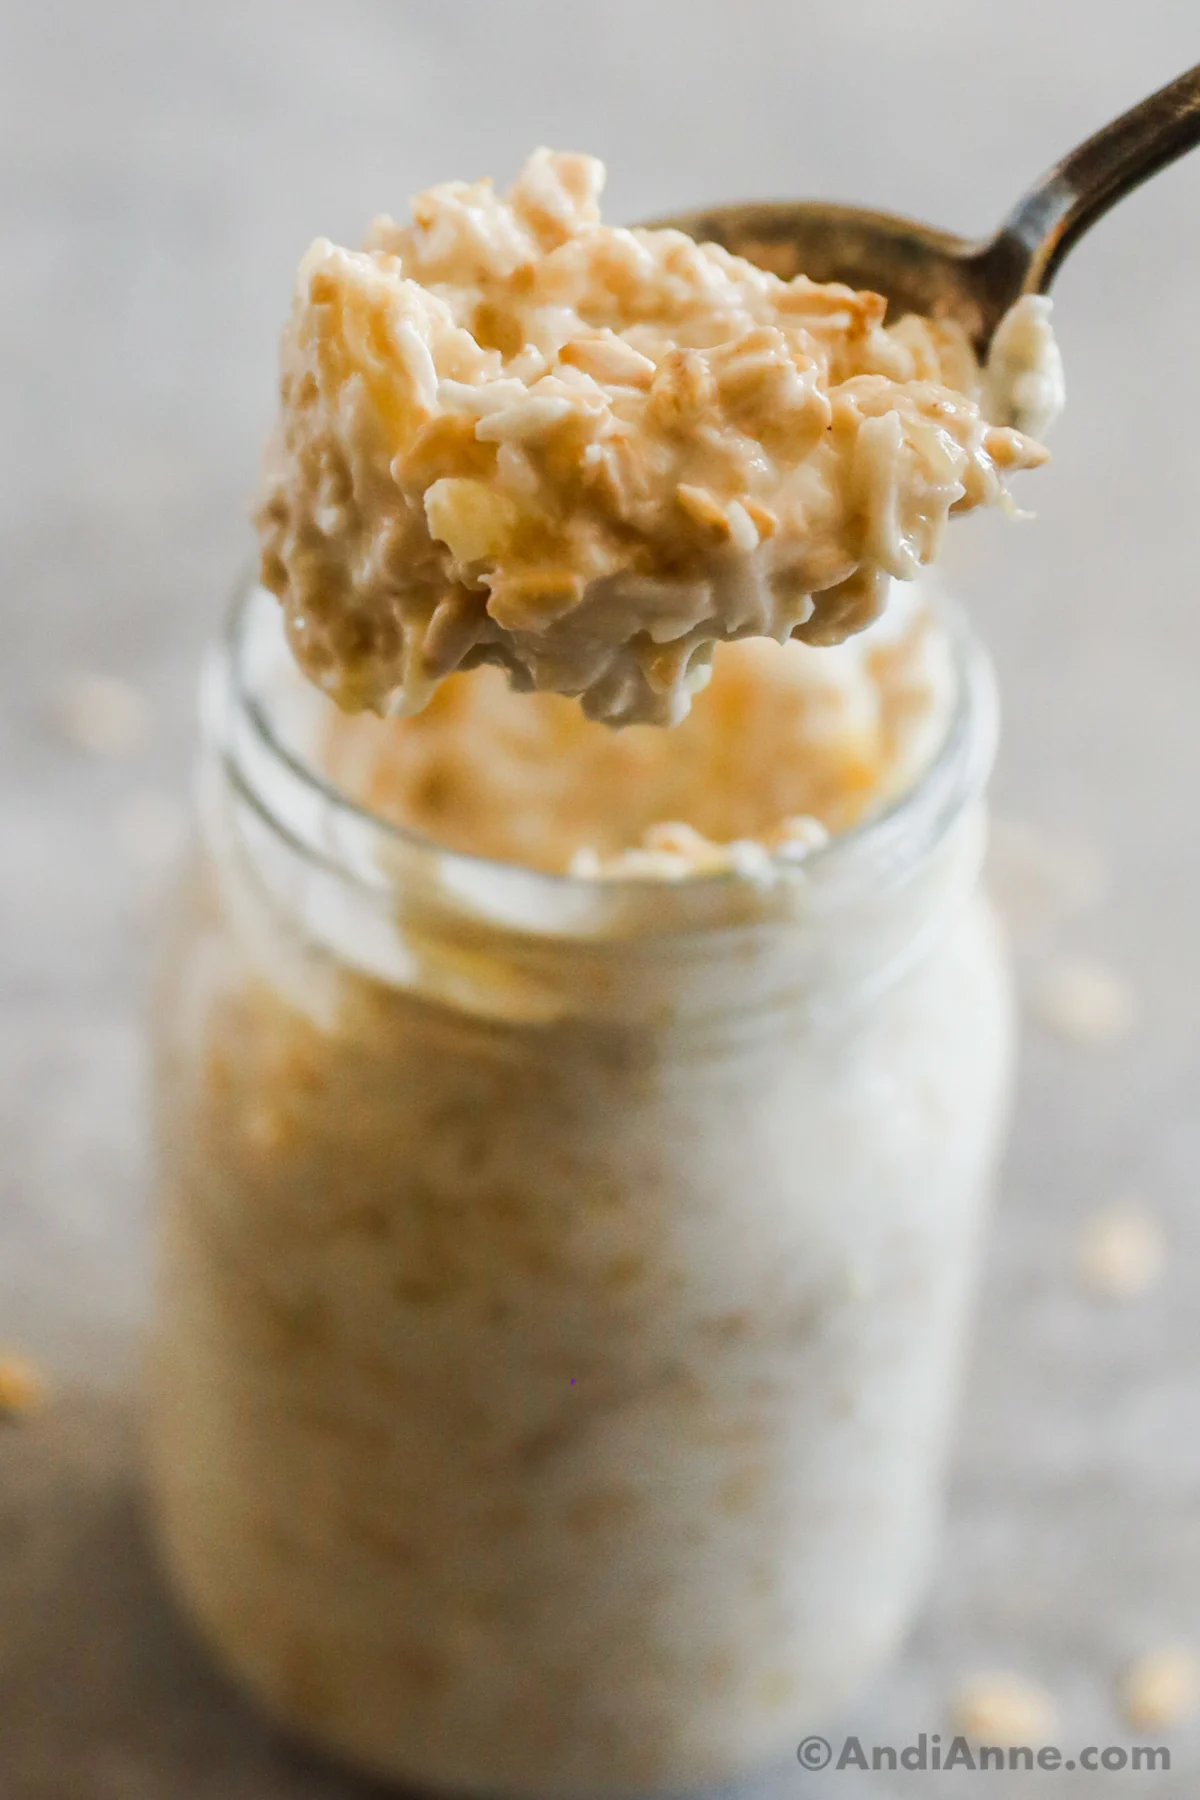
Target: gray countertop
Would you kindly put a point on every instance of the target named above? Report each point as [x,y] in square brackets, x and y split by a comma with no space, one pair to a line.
[162,169]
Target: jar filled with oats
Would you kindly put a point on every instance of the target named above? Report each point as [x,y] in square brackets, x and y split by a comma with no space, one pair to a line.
[563,1275]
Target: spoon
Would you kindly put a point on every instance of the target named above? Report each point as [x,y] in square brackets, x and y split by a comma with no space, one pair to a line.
[921,269]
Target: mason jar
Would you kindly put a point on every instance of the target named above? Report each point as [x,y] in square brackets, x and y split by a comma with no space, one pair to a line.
[562,1282]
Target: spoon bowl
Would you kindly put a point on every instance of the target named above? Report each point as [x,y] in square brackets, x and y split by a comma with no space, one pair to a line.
[921,269]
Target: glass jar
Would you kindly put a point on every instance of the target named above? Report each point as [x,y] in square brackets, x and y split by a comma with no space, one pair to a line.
[562,1283]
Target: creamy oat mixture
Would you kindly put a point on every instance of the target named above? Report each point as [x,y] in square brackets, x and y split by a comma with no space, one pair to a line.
[561,1308]
[1023,382]
[511,434]
[558,1338]
[787,745]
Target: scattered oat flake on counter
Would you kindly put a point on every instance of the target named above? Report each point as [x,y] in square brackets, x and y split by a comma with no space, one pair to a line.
[1004,1709]
[1162,1688]
[1041,879]
[1083,1001]
[22,1388]
[102,715]
[1123,1252]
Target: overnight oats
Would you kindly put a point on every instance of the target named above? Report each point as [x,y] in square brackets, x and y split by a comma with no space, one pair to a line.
[574,1141]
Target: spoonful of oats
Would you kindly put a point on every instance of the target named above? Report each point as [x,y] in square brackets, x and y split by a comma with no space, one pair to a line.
[510,433]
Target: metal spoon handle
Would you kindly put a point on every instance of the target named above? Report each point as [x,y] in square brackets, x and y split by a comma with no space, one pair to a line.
[1071,196]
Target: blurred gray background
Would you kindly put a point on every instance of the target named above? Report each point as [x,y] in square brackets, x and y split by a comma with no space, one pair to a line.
[162,169]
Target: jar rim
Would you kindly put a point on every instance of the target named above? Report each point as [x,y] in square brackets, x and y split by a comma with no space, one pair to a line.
[881,847]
